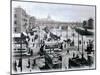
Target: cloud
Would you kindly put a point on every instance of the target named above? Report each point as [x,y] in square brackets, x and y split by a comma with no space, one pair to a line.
[57,11]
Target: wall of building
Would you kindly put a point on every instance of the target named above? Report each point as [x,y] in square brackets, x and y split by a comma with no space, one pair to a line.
[21,20]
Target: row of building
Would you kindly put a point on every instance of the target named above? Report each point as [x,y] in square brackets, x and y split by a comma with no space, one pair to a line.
[23,21]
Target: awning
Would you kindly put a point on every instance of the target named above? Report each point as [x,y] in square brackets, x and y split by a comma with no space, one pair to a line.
[84,32]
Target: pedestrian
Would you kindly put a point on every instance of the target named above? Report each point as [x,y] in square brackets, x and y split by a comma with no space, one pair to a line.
[15,65]
[77,56]
[61,47]
[28,63]
[69,61]
[67,51]
[34,63]
[65,61]
[31,53]
[73,55]
[41,50]
[20,64]
[84,42]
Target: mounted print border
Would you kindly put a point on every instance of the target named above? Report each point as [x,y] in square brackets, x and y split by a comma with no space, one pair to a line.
[52,37]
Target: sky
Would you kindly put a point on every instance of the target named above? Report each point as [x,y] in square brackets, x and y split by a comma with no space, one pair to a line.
[58,12]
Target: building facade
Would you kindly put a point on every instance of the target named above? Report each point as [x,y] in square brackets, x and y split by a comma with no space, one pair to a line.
[21,20]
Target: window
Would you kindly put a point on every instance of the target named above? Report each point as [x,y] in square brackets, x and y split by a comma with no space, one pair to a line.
[24,19]
[15,30]
[15,22]
[15,15]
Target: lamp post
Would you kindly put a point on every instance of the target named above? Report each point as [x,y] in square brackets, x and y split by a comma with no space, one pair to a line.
[82,46]
[78,41]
